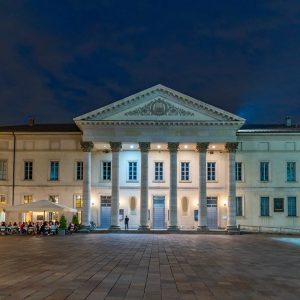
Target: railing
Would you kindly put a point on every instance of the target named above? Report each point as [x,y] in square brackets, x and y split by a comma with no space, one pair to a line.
[270,229]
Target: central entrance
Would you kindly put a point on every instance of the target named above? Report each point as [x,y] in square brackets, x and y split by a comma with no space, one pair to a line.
[159,212]
[105,212]
[212,212]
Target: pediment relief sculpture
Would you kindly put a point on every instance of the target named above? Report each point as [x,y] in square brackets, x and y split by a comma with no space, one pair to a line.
[159,107]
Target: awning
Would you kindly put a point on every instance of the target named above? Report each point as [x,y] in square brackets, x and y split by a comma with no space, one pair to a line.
[41,206]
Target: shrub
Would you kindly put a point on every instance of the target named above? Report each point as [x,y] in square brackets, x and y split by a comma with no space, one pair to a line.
[75,220]
[63,222]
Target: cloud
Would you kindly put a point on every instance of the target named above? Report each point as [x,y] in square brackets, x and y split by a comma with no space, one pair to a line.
[59,61]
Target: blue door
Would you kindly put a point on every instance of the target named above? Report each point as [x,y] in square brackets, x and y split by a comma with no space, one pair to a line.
[105,212]
[158,212]
[212,212]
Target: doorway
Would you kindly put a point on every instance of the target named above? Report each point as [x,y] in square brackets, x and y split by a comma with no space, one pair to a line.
[158,212]
[212,212]
[105,212]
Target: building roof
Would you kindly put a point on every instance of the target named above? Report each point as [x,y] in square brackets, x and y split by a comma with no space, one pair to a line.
[72,127]
[65,127]
[271,128]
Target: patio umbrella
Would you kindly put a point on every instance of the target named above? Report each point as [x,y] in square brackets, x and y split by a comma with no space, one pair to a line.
[41,206]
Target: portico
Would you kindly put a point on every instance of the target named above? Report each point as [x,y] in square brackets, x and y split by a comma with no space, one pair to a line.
[165,140]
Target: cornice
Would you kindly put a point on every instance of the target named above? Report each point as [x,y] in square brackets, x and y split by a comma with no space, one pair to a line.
[161,123]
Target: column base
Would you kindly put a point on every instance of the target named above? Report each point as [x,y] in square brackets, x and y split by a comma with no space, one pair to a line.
[202,228]
[173,228]
[143,228]
[85,228]
[233,229]
[114,227]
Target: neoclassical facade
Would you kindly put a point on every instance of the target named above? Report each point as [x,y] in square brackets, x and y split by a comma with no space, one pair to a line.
[164,159]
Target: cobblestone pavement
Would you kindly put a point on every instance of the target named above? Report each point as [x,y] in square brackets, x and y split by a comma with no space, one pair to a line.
[148,266]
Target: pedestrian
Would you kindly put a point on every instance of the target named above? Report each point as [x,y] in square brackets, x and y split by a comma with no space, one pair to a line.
[126,223]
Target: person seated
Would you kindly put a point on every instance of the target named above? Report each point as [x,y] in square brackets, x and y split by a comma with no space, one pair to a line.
[30,228]
[53,228]
[23,228]
[71,228]
[75,228]
[37,227]
[47,228]
[44,228]
[14,228]
[9,228]
[3,228]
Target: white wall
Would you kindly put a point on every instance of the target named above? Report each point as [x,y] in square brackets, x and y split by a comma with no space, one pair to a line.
[41,148]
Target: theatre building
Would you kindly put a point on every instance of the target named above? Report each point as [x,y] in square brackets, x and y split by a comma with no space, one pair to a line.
[164,159]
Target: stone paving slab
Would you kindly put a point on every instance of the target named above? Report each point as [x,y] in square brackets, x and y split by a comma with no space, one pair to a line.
[143,266]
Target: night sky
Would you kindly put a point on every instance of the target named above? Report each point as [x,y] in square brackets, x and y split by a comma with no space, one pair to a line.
[60,59]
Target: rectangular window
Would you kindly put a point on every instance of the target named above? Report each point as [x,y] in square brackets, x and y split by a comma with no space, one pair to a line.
[239,206]
[211,171]
[238,171]
[132,171]
[78,201]
[264,206]
[106,170]
[185,171]
[27,170]
[278,204]
[53,198]
[264,171]
[291,171]
[79,170]
[2,199]
[54,170]
[28,198]
[292,206]
[3,169]
[159,171]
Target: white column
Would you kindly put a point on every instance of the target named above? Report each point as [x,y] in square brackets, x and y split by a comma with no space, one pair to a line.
[114,213]
[144,147]
[231,207]
[202,201]
[86,188]
[173,148]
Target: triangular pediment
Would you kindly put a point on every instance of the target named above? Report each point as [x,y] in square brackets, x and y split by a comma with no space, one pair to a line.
[159,103]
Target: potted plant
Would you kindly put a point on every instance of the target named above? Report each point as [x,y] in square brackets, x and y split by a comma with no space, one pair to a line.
[75,221]
[62,225]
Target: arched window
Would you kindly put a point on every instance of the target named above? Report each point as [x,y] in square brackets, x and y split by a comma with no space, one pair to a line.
[132,205]
[184,206]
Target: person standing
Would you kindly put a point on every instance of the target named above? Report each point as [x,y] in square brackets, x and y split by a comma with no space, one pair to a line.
[126,223]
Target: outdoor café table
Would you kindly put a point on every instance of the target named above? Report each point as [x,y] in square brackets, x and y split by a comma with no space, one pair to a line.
[30,230]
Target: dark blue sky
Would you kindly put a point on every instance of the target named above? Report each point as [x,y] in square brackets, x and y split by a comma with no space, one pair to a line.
[60,59]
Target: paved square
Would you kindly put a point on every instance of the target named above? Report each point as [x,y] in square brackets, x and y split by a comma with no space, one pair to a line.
[148,266]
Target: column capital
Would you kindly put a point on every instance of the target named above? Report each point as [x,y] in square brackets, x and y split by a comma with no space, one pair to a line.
[144,146]
[87,146]
[115,146]
[202,147]
[231,147]
[173,147]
